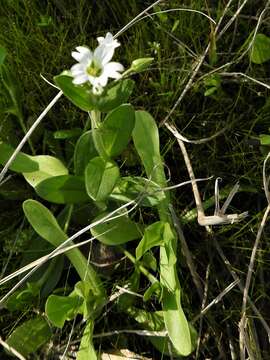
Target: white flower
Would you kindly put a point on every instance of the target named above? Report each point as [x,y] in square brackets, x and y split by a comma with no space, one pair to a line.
[96,66]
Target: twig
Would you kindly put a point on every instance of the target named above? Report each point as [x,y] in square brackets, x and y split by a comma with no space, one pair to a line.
[235,74]
[219,218]
[138,332]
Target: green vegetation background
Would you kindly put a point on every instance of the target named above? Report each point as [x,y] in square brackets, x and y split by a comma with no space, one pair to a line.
[39,37]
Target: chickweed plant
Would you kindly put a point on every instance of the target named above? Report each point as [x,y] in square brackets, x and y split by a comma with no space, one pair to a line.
[106,254]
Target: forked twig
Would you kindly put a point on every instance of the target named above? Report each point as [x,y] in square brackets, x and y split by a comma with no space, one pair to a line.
[219,217]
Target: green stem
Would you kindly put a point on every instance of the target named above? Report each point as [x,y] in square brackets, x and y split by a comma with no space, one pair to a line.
[97,135]
[139,266]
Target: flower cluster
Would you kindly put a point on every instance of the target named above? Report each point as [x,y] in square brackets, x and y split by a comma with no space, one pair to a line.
[96,66]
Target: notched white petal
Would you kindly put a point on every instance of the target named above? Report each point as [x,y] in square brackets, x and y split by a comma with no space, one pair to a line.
[82,55]
[112,70]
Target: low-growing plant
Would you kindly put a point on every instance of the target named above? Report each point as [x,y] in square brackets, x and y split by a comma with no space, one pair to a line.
[95,178]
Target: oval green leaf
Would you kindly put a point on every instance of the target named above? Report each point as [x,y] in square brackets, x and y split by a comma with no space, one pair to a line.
[64,189]
[84,151]
[153,236]
[138,188]
[29,336]
[146,139]
[79,95]
[45,224]
[100,178]
[62,308]
[260,52]
[115,95]
[22,163]
[116,130]
[117,231]
[48,166]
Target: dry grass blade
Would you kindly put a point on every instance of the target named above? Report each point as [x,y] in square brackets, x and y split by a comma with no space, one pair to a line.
[10,349]
[243,321]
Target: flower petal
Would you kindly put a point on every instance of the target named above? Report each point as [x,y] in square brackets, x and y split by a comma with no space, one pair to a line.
[100,39]
[80,79]
[83,55]
[108,41]
[112,70]
[103,79]
[103,54]
[77,69]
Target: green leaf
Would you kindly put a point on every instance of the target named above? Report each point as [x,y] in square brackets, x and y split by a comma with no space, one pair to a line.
[115,132]
[84,151]
[115,95]
[51,276]
[67,134]
[48,166]
[22,162]
[117,231]
[23,298]
[63,189]
[169,245]
[79,95]
[153,236]
[89,304]
[149,261]
[62,308]
[100,178]
[260,51]
[29,336]
[82,96]
[45,224]
[174,317]
[137,188]
[176,322]
[146,140]
[265,139]
[3,54]
[87,350]
[154,288]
